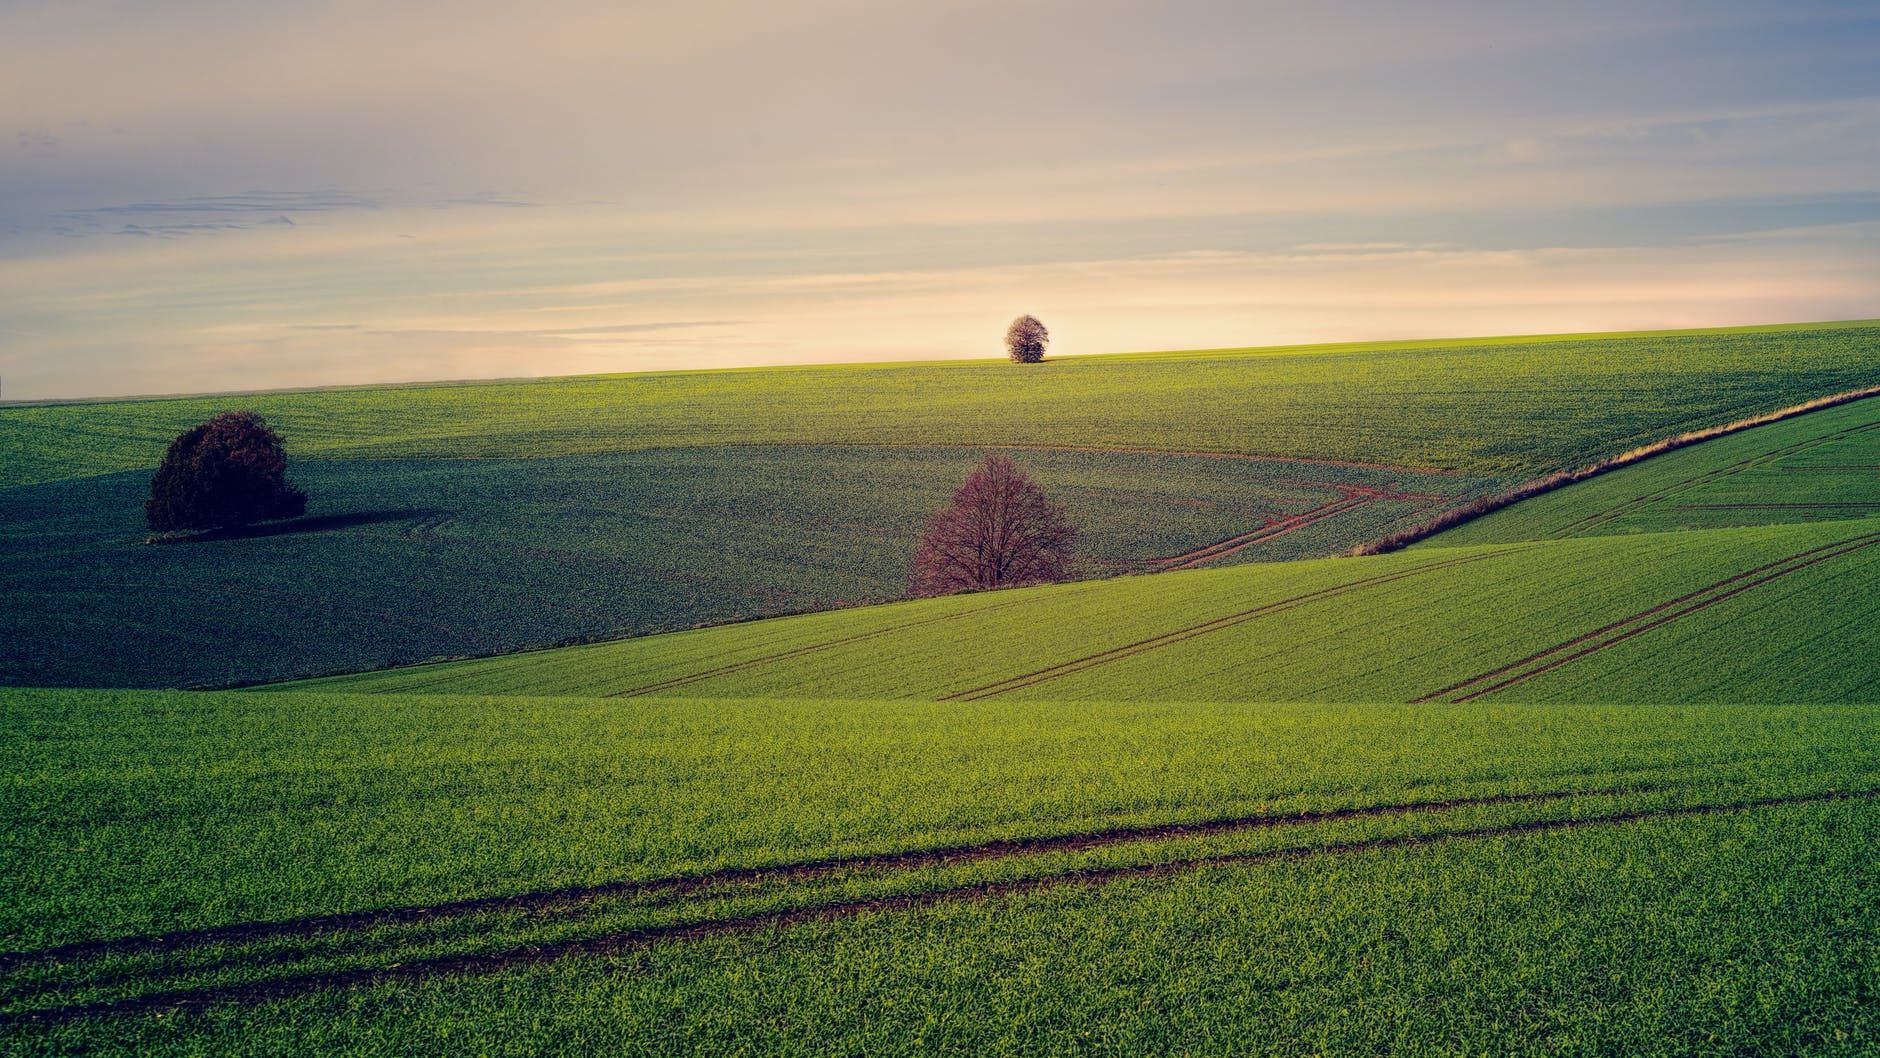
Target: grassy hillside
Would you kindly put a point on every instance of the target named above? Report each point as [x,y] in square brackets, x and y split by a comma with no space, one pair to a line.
[432,558]
[474,519]
[1822,465]
[1502,406]
[1110,816]
[1394,627]
[512,857]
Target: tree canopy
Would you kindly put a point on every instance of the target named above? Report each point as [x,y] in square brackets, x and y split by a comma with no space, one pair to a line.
[225,473]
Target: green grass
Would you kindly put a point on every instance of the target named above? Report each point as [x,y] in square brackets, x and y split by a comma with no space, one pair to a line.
[1740,934]
[1393,627]
[447,558]
[1512,406]
[1134,826]
[477,519]
[131,812]
[1822,465]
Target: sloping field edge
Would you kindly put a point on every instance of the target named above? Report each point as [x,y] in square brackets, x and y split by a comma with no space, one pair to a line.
[1560,479]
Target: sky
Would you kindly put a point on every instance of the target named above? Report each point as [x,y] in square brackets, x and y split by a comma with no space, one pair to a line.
[201,195]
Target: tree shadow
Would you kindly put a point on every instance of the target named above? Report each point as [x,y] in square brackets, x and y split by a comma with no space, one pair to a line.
[320,524]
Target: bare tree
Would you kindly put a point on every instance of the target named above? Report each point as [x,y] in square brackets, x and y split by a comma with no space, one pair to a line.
[1025,340]
[998,532]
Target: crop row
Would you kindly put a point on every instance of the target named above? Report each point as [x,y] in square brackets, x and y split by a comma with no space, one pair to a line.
[1390,627]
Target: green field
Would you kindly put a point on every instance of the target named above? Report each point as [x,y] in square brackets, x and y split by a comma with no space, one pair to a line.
[1489,406]
[455,558]
[321,854]
[1823,465]
[475,519]
[1753,612]
[1596,774]
[1394,627]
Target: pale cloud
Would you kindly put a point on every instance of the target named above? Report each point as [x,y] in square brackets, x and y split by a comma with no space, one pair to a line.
[213,194]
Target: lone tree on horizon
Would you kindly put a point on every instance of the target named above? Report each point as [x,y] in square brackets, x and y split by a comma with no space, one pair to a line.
[223,474]
[1025,340]
[999,531]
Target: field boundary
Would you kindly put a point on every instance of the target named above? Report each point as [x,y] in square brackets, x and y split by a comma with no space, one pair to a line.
[1488,505]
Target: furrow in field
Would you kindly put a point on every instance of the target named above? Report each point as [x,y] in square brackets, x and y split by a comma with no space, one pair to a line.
[1612,514]
[1272,530]
[1645,620]
[803,869]
[1142,646]
[610,943]
[1351,498]
[811,648]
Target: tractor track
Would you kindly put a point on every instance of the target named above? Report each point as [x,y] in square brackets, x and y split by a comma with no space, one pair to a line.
[1628,627]
[803,869]
[1142,646]
[483,963]
[1612,514]
[812,648]
[1351,498]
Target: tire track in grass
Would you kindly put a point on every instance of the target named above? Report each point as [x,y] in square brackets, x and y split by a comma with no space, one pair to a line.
[1351,498]
[1644,621]
[1143,646]
[1270,531]
[721,670]
[969,852]
[812,648]
[803,869]
[482,963]
[1612,514]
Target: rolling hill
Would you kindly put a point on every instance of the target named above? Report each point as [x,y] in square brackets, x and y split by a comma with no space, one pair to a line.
[1596,773]
[477,519]
[1673,615]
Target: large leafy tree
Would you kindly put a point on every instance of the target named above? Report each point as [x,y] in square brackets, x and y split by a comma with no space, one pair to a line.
[998,531]
[225,473]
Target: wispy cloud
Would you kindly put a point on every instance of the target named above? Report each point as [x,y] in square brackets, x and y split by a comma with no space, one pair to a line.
[548,188]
